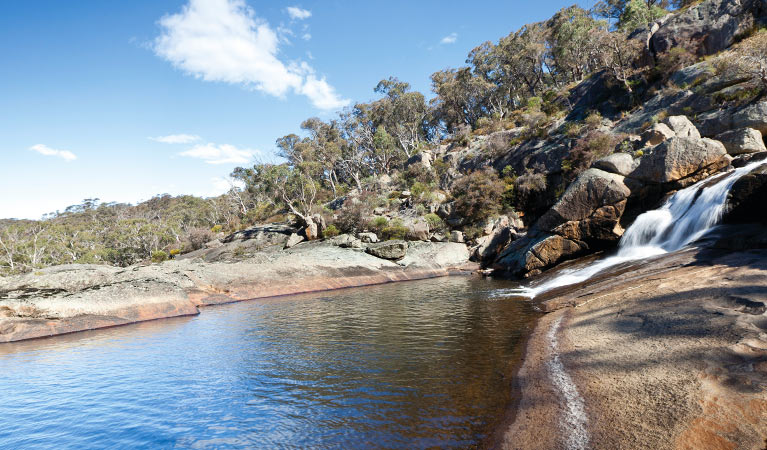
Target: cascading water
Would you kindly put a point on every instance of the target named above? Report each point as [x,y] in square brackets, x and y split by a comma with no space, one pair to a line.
[684,218]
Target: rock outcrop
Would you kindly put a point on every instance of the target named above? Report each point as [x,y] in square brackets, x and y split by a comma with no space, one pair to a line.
[587,216]
[71,298]
[391,250]
[743,140]
[708,27]
[679,158]
[746,199]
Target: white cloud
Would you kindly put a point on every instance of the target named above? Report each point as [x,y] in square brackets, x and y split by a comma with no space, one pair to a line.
[449,39]
[220,154]
[223,40]
[306,36]
[222,185]
[47,151]
[297,13]
[176,138]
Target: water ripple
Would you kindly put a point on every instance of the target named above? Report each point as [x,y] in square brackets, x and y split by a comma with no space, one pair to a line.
[410,365]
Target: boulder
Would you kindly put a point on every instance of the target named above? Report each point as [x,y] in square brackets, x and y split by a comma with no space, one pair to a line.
[423,159]
[743,140]
[682,127]
[438,237]
[708,27]
[311,230]
[368,238]
[392,250]
[745,201]
[418,231]
[346,241]
[680,158]
[592,190]
[456,236]
[321,224]
[293,240]
[752,116]
[215,243]
[489,247]
[656,134]
[617,163]
[529,256]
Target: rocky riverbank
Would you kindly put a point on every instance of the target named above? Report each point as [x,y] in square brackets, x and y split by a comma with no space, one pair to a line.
[66,299]
[667,354]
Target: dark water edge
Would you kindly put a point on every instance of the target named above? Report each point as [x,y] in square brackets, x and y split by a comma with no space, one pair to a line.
[419,364]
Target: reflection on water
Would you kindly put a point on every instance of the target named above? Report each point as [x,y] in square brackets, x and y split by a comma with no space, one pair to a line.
[407,365]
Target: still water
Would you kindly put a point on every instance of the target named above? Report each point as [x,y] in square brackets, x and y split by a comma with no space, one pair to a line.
[407,365]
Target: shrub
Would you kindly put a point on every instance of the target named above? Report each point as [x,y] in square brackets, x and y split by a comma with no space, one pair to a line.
[497,144]
[478,195]
[435,222]
[395,230]
[588,149]
[593,120]
[354,214]
[198,237]
[159,256]
[216,229]
[330,231]
[175,252]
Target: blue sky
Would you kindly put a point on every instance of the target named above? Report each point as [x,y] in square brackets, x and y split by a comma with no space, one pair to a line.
[126,100]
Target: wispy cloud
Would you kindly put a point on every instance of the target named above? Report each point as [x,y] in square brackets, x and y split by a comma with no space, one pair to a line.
[176,138]
[449,39]
[223,40]
[220,154]
[297,13]
[47,151]
[222,185]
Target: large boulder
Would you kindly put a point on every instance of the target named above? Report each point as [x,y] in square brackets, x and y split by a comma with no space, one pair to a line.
[617,163]
[708,27]
[656,134]
[742,140]
[488,247]
[418,231]
[392,250]
[587,217]
[682,127]
[752,116]
[680,158]
[592,190]
[293,240]
[745,201]
[530,256]
[346,241]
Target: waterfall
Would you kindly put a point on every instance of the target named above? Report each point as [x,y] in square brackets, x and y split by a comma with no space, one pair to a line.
[685,217]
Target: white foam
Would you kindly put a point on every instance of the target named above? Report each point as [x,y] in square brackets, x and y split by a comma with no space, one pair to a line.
[574,421]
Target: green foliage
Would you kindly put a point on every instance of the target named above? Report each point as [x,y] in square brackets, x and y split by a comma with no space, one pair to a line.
[478,195]
[394,230]
[637,14]
[159,256]
[330,231]
[216,229]
[435,222]
[377,224]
